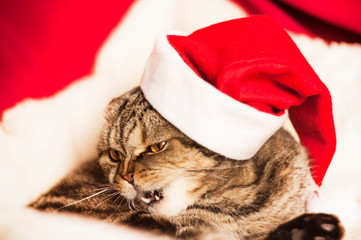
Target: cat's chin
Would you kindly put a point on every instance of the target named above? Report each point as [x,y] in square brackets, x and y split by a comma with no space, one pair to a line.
[169,201]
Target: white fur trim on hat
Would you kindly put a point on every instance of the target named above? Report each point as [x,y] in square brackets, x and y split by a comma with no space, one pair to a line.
[206,115]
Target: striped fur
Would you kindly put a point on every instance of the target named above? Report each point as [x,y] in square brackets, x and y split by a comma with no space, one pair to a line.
[241,198]
[202,192]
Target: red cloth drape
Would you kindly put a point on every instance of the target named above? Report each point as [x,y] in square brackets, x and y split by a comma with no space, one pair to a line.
[45,45]
[333,20]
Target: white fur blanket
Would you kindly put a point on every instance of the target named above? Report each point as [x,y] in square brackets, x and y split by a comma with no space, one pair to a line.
[42,140]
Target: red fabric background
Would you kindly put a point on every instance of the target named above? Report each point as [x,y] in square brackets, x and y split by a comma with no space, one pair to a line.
[45,45]
[333,20]
[344,14]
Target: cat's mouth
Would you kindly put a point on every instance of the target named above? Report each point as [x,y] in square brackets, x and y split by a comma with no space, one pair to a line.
[150,197]
[169,200]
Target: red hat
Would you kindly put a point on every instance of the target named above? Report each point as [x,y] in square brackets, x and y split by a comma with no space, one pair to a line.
[231,86]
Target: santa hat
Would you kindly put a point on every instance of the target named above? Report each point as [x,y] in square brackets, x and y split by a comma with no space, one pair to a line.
[231,86]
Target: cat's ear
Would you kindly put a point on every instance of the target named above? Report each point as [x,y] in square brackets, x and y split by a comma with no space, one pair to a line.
[113,102]
[110,108]
[116,103]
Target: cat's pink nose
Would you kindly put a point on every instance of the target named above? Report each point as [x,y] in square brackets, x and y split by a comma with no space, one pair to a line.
[128,177]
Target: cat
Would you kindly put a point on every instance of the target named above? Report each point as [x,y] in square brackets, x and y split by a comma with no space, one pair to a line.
[150,175]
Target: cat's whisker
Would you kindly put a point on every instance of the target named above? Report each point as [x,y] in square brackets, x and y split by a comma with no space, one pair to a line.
[90,191]
[107,198]
[122,201]
[118,197]
[128,203]
[107,187]
[131,205]
[86,198]
[100,188]
[119,204]
[134,206]
[107,116]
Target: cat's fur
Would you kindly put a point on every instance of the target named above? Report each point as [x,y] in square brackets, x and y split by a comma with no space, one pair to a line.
[200,191]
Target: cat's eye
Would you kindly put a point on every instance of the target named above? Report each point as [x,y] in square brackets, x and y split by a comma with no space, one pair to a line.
[154,148]
[114,155]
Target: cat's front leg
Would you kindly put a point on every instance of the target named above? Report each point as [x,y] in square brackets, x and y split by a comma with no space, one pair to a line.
[152,223]
[309,226]
[179,228]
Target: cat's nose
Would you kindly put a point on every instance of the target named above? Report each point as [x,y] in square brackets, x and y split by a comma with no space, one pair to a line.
[128,177]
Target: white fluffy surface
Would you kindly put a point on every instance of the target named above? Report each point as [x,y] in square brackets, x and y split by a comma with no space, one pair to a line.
[41,140]
[20,223]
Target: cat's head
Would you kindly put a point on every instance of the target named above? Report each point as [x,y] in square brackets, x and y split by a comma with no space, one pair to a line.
[151,162]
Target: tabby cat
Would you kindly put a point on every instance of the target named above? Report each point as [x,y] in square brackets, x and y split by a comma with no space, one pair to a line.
[150,175]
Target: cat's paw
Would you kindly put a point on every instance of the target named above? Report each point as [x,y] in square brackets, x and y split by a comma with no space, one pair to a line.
[311,226]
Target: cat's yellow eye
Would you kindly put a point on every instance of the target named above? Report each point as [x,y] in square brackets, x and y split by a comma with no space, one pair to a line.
[156,147]
[114,155]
